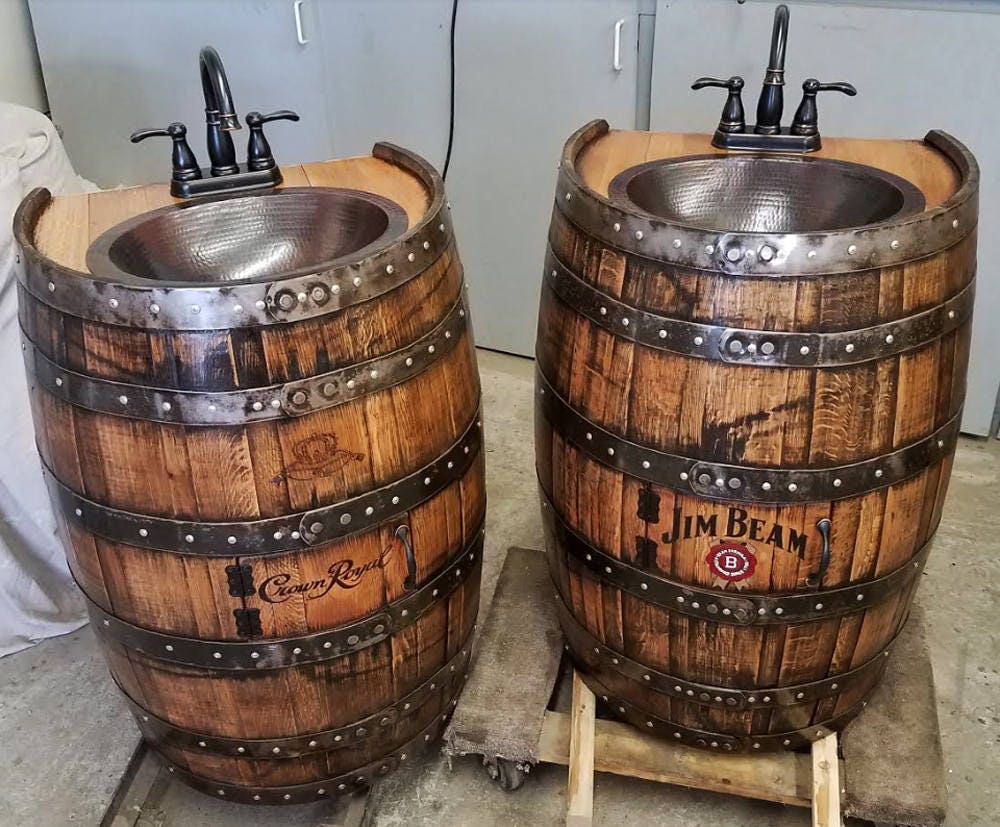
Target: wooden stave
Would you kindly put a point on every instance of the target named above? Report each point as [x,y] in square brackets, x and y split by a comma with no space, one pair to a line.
[440,281]
[551,452]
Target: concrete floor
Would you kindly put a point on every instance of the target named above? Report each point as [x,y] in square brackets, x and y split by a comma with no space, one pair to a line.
[960,593]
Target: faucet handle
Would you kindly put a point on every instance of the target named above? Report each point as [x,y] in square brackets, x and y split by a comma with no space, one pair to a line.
[806,120]
[258,149]
[185,165]
[732,119]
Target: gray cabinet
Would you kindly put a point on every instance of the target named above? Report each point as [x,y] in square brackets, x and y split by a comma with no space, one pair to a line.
[113,66]
[527,75]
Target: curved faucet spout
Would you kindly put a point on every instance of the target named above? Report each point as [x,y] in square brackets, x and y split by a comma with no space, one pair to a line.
[214,83]
[771,101]
[779,37]
[220,114]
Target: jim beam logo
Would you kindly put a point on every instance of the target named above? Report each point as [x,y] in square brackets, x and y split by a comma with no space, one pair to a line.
[343,574]
[731,558]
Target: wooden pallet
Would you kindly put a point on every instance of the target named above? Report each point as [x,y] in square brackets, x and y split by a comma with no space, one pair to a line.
[522,706]
[586,743]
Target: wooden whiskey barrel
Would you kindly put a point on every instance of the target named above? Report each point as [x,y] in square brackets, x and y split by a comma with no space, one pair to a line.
[744,439]
[270,488]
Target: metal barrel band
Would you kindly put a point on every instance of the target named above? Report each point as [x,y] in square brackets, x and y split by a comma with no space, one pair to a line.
[344,784]
[158,731]
[242,407]
[721,606]
[276,535]
[596,657]
[720,481]
[180,306]
[263,654]
[886,244]
[756,347]
[723,742]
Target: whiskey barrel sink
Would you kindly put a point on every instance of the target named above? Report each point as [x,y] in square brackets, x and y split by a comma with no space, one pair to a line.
[750,379]
[259,421]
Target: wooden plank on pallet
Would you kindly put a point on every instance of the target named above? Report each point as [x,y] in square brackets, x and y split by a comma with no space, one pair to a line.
[580,793]
[783,777]
[825,782]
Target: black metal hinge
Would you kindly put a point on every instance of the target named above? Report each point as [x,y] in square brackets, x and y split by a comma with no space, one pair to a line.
[649,506]
[240,580]
[248,622]
[645,552]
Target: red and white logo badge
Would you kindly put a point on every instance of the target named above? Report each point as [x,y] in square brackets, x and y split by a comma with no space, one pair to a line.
[730,561]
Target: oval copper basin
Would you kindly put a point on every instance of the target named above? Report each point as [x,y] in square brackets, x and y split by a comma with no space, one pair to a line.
[755,193]
[283,232]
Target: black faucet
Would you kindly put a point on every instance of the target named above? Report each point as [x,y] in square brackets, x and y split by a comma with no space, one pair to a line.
[768,135]
[224,173]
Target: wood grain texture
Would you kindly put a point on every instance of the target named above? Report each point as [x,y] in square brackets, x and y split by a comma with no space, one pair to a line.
[248,472]
[757,416]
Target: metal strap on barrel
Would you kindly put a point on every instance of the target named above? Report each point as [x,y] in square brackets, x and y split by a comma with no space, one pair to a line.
[344,784]
[158,731]
[597,657]
[721,741]
[745,346]
[742,254]
[180,306]
[291,532]
[721,606]
[278,654]
[722,481]
[242,407]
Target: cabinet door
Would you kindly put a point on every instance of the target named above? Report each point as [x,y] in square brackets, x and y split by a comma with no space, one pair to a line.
[527,74]
[918,68]
[112,67]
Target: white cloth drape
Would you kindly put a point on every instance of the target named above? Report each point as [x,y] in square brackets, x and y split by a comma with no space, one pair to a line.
[37,595]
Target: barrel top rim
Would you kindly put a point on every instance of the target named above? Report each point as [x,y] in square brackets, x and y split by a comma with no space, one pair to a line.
[191,305]
[941,224]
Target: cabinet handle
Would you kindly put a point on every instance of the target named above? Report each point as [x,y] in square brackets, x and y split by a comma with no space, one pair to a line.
[299,34]
[617,60]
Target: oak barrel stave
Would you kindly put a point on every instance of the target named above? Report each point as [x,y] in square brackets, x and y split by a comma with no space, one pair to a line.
[225,699]
[674,668]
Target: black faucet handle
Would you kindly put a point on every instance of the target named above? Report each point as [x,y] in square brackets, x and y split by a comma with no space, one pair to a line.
[256,119]
[258,149]
[806,120]
[732,119]
[185,165]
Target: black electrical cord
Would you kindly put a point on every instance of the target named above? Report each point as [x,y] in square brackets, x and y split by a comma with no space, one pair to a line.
[451,104]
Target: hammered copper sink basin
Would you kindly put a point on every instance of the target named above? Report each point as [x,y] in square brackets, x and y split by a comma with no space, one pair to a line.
[284,232]
[755,193]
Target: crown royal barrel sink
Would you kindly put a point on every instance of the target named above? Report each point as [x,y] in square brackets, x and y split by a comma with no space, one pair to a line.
[259,422]
[750,379]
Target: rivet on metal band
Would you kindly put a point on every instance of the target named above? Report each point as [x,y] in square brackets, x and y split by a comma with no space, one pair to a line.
[720,741]
[720,606]
[158,731]
[596,658]
[241,407]
[720,481]
[838,251]
[756,347]
[278,654]
[275,535]
[344,784]
[148,304]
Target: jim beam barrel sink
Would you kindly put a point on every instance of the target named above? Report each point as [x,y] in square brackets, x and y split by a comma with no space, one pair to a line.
[744,436]
[259,422]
